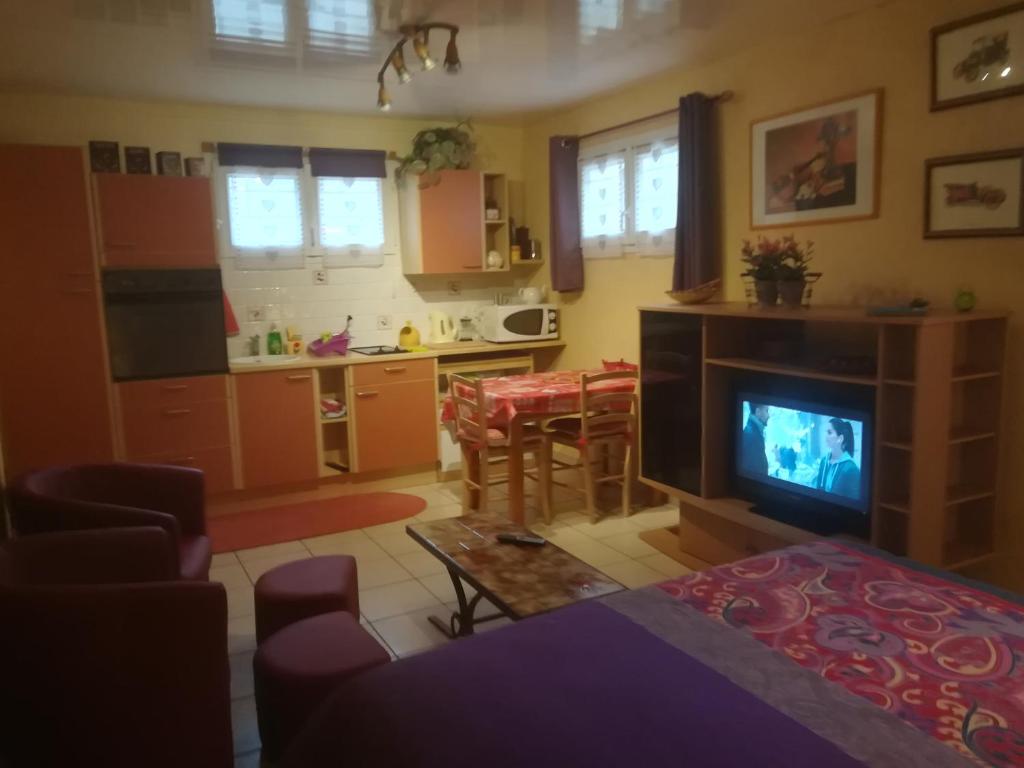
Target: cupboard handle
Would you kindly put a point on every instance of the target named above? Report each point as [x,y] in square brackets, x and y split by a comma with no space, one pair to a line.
[299,377]
[79,274]
[177,411]
[394,369]
[184,460]
[472,266]
[367,394]
[78,290]
[174,387]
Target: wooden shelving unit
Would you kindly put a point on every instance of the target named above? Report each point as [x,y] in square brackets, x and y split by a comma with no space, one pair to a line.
[938,388]
[496,233]
[334,436]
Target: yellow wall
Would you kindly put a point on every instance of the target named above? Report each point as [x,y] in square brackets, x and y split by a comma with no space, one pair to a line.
[39,118]
[886,47]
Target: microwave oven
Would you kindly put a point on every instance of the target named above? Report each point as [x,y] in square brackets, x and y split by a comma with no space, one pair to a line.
[519,322]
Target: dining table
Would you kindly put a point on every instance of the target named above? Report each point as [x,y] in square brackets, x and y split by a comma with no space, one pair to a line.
[514,401]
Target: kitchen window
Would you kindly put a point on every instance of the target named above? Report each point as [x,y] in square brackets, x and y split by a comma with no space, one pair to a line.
[265,215]
[628,195]
[350,213]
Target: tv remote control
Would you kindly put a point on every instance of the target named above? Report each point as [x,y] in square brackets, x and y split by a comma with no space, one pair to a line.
[521,538]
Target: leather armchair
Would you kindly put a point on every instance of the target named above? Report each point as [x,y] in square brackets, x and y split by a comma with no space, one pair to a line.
[107,657]
[76,497]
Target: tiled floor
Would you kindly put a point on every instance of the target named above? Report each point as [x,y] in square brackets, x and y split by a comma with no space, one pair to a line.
[401,585]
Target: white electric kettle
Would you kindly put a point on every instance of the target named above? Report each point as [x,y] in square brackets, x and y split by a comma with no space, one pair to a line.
[442,327]
[531,294]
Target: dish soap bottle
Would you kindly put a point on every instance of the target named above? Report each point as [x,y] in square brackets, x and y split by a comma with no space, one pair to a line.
[274,346]
[409,336]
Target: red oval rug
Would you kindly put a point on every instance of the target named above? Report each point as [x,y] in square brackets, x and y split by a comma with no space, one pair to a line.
[303,520]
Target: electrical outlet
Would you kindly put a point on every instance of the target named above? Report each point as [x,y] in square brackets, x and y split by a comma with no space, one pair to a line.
[256,314]
[454,287]
[383,322]
[319,277]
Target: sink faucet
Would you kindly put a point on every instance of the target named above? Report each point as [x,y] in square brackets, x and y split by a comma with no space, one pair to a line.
[254,345]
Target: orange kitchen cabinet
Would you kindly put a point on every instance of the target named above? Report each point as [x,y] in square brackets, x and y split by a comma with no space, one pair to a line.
[442,223]
[277,423]
[155,221]
[395,424]
[54,395]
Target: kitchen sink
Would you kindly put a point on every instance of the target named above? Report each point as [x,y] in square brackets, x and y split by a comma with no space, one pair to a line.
[264,360]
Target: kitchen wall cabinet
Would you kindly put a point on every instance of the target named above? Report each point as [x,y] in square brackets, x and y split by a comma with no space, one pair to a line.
[277,423]
[182,421]
[54,396]
[155,221]
[444,230]
[394,410]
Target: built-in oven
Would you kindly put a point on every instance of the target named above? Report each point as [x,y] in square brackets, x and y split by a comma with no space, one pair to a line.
[163,323]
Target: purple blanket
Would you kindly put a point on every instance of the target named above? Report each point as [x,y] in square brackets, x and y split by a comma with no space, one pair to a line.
[634,679]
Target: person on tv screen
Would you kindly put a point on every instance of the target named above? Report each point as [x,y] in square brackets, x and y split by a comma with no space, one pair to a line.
[752,452]
[838,472]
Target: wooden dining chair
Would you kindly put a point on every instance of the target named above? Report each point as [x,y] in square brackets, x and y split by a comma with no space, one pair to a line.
[606,418]
[483,445]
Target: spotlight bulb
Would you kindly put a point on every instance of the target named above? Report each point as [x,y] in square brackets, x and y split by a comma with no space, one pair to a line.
[451,57]
[398,62]
[419,45]
[383,102]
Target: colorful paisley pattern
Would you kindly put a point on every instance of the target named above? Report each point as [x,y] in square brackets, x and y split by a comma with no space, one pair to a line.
[944,657]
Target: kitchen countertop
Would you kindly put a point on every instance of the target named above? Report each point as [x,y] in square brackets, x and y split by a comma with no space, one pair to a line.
[450,349]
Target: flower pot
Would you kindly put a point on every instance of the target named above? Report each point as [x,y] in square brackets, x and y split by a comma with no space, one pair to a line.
[792,292]
[767,292]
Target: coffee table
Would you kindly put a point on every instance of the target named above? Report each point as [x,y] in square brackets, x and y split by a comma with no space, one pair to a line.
[520,580]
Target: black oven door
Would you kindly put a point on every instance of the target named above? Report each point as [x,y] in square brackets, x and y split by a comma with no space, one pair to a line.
[163,323]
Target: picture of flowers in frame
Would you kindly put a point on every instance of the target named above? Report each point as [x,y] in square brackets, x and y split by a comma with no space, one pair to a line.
[978,58]
[817,165]
[976,195]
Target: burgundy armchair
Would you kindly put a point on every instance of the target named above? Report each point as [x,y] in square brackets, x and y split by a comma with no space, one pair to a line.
[107,657]
[76,497]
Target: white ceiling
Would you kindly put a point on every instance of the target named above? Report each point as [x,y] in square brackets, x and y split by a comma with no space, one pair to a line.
[517,55]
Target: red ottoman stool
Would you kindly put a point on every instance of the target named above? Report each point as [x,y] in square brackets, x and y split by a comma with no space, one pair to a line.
[297,668]
[295,591]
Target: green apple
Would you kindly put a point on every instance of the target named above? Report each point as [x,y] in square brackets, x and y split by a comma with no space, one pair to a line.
[965,300]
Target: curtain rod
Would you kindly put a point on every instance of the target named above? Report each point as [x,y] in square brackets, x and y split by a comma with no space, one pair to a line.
[723,96]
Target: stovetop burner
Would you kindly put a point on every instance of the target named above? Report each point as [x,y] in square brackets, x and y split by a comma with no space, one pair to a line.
[378,350]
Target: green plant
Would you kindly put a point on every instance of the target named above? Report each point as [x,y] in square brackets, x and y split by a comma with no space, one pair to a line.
[437,149]
[782,259]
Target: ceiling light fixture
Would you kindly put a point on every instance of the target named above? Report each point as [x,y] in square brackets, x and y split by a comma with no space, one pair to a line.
[419,36]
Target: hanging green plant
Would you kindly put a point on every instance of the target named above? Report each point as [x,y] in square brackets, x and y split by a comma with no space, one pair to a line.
[439,149]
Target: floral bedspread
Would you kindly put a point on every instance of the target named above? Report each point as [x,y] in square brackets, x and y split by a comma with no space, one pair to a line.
[945,657]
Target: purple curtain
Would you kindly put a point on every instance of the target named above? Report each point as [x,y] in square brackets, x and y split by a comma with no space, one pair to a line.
[697,259]
[566,253]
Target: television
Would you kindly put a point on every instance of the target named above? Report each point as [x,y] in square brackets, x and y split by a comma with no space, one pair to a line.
[804,462]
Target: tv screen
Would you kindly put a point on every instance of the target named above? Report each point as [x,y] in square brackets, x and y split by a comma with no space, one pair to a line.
[813,450]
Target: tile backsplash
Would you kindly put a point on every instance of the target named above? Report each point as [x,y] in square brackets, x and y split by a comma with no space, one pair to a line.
[289,297]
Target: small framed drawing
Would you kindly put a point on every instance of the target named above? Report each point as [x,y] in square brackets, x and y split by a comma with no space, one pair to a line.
[817,165]
[978,195]
[168,163]
[978,58]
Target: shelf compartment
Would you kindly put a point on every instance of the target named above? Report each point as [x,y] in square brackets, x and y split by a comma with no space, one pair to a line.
[891,530]
[969,434]
[897,417]
[339,420]
[970,538]
[899,352]
[893,477]
[978,348]
[764,366]
[975,405]
[972,470]
[336,454]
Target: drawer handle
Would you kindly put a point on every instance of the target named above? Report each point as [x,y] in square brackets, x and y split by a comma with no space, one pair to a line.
[174,387]
[184,460]
[177,412]
[78,290]
[299,377]
[472,266]
[395,369]
[367,394]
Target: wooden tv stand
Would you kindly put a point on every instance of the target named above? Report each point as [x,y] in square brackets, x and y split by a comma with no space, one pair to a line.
[937,385]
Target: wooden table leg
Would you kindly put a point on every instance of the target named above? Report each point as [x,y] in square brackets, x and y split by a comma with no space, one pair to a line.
[470,466]
[516,512]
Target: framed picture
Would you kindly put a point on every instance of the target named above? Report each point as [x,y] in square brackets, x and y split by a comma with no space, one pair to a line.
[978,58]
[817,165]
[168,163]
[104,157]
[979,195]
[136,160]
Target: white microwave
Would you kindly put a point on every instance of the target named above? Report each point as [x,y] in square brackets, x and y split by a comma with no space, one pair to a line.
[519,322]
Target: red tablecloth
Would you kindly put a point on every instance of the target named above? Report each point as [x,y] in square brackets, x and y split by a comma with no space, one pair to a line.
[541,394]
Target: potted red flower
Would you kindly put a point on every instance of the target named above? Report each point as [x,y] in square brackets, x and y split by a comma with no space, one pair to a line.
[778,269]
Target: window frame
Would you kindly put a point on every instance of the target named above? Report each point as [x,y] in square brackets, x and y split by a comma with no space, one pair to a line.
[348,255]
[630,145]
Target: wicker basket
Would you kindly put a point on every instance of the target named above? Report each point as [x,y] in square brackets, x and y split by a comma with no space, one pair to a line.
[697,295]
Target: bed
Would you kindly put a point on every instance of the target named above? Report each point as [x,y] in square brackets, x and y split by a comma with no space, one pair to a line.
[822,654]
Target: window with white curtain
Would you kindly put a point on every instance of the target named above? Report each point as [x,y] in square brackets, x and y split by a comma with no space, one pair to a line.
[628,195]
[258,21]
[265,216]
[350,214]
